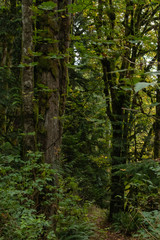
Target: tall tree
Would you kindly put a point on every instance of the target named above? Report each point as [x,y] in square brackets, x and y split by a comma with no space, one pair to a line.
[44,92]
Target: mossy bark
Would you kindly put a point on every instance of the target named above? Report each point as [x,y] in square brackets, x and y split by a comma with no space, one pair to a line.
[51,78]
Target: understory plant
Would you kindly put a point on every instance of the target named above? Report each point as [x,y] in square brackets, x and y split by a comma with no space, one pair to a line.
[126,222]
[150,227]
[141,210]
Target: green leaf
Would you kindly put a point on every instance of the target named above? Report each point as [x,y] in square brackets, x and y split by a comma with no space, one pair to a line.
[47,6]
[155,104]
[153,73]
[140,85]
[126,88]
[32,64]
[54,57]
[28,134]
[134,41]
[117,71]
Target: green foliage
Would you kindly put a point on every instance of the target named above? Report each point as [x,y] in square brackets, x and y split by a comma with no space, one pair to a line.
[18,215]
[10,93]
[27,190]
[150,228]
[85,131]
[76,231]
[124,47]
[141,181]
[85,156]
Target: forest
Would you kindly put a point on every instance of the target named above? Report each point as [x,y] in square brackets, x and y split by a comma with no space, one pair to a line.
[79,119]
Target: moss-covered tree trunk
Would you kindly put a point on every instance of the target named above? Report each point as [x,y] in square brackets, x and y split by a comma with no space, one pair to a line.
[52,77]
[119,121]
[117,99]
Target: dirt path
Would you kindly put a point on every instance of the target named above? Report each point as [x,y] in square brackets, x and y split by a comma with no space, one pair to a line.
[109,235]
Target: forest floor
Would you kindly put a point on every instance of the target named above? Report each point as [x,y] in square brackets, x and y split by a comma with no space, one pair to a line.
[103,229]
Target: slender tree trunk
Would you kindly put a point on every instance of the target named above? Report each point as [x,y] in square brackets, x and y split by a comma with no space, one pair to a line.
[117,100]
[157,123]
[3,109]
[27,77]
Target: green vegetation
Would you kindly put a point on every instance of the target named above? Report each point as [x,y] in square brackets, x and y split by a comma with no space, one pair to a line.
[79,119]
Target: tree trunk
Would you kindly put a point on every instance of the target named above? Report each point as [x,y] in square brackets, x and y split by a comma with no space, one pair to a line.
[157,122]
[119,121]
[27,77]
[52,78]
[117,100]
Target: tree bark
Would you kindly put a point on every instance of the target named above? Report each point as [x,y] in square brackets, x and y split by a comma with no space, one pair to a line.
[27,77]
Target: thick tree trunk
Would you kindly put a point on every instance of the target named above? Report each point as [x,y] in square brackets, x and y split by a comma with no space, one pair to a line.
[27,77]
[51,79]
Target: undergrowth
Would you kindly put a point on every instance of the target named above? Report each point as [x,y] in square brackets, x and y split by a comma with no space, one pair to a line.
[28,191]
